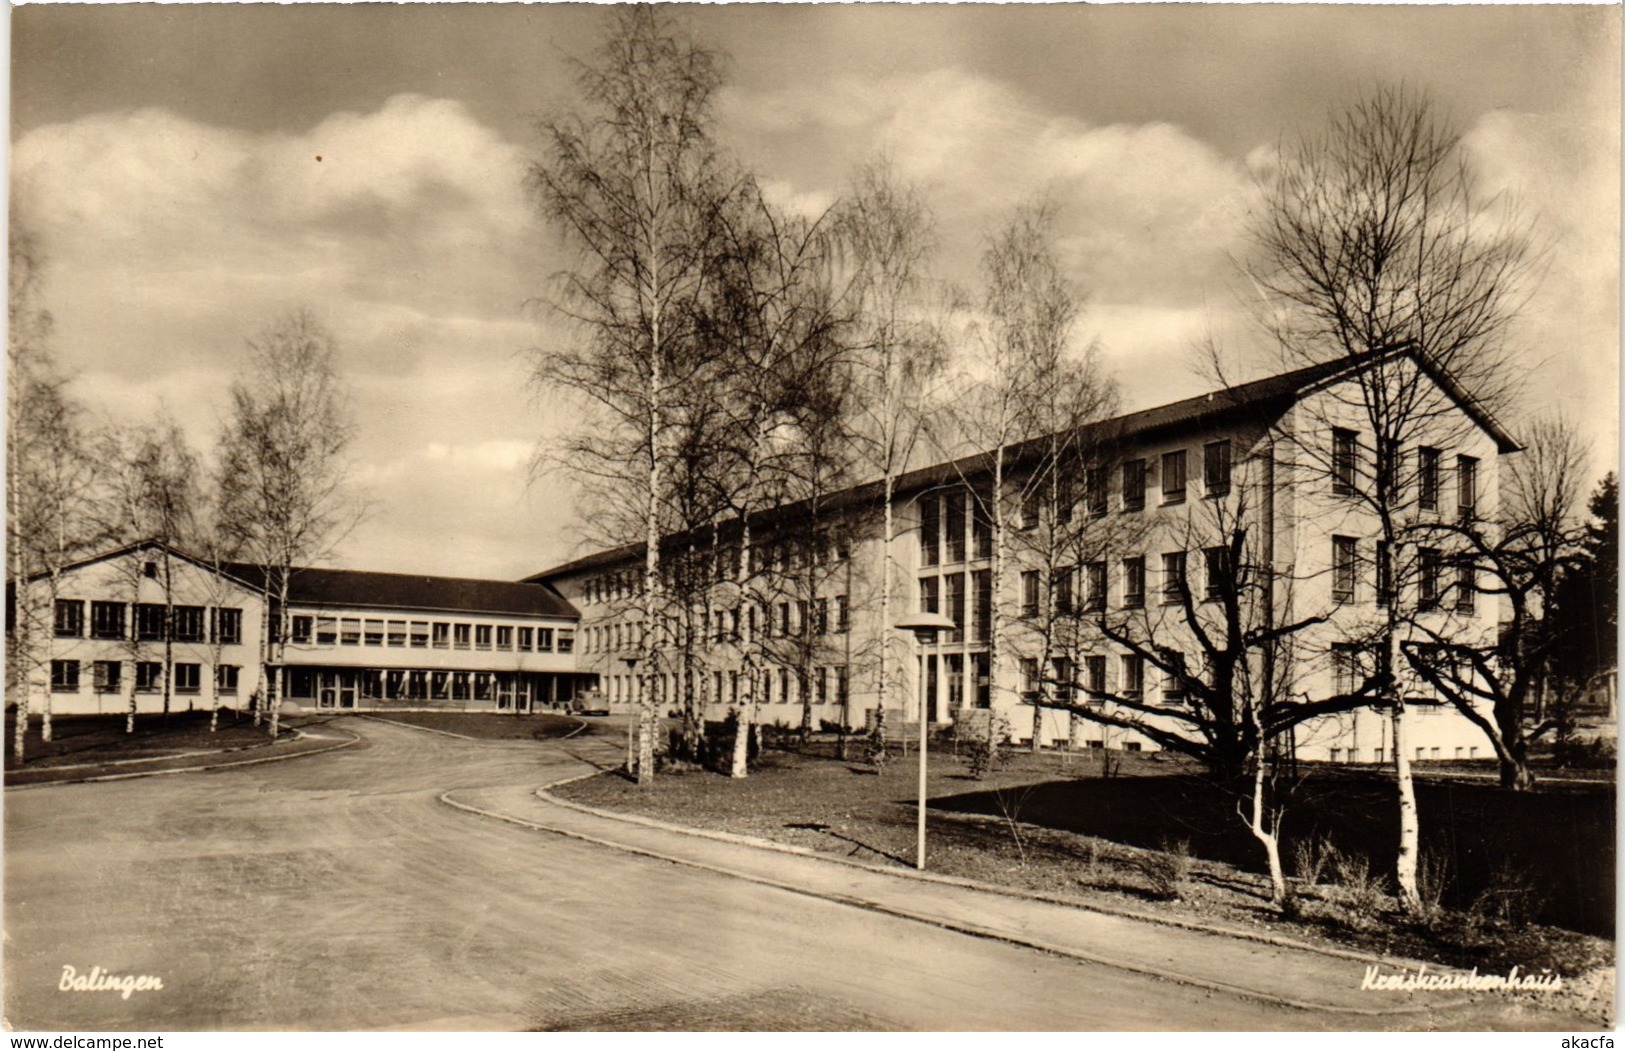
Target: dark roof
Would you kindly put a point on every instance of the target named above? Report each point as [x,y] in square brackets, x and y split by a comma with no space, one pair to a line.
[1263,400]
[354,587]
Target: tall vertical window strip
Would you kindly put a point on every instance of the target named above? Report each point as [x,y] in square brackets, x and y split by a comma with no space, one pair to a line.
[1388,488]
[953,526]
[1216,467]
[1216,564]
[981,516]
[1097,587]
[1429,584]
[1467,488]
[1133,674]
[1173,477]
[1466,584]
[929,595]
[1133,582]
[1343,461]
[930,528]
[1344,553]
[1063,590]
[982,617]
[1133,485]
[1094,674]
[1427,478]
[956,606]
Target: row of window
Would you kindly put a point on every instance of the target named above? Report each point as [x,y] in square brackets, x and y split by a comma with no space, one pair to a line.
[829,615]
[780,556]
[108,677]
[1433,565]
[1349,470]
[150,621]
[944,516]
[424,634]
[1352,755]
[825,684]
[341,688]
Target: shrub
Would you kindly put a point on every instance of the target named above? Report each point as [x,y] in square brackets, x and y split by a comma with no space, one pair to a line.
[1168,870]
[1512,897]
[1311,858]
[1362,889]
[984,754]
[1432,879]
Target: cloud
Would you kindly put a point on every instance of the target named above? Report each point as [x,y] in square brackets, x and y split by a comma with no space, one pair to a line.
[406,229]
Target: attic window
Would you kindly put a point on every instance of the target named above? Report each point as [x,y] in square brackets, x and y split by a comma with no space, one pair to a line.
[149,570]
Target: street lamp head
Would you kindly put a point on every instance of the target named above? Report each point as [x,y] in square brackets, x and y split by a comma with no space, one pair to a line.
[925,626]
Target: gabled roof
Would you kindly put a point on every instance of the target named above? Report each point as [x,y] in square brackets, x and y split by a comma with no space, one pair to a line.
[360,588]
[1263,400]
[309,586]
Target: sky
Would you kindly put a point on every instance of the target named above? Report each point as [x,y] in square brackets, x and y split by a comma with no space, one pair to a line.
[194,171]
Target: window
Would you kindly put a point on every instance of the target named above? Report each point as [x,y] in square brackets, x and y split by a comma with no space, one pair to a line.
[301,629]
[1133,582]
[504,638]
[1063,678]
[460,634]
[1343,461]
[188,678]
[1173,577]
[527,637]
[1173,675]
[418,633]
[1430,566]
[460,686]
[1095,581]
[544,641]
[1216,467]
[1385,574]
[929,595]
[840,684]
[225,678]
[1133,669]
[149,622]
[956,606]
[821,615]
[439,685]
[149,676]
[1427,478]
[228,626]
[1063,590]
[1466,488]
[1031,508]
[1133,485]
[953,527]
[567,640]
[440,635]
[65,676]
[1094,491]
[1216,564]
[1344,552]
[373,632]
[784,620]
[1387,471]
[397,633]
[981,604]
[1173,477]
[842,614]
[981,523]
[1466,584]
[149,570]
[188,623]
[107,620]
[1029,676]
[1347,674]
[70,618]
[327,631]
[109,676]
[1063,499]
[930,530]
[1029,593]
[1094,675]
[482,636]
[350,631]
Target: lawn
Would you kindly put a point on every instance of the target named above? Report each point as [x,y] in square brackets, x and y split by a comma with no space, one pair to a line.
[1134,842]
[496,726]
[101,738]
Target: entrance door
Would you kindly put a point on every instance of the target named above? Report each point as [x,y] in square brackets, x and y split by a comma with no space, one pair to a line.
[335,689]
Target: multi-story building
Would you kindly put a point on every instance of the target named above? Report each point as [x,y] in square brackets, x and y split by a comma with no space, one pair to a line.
[1101,572]
[154,626]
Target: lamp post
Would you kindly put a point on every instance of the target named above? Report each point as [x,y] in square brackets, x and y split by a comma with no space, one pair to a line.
[925,627]
[631,740]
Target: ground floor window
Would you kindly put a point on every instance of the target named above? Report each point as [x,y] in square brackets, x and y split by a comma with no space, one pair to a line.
[188,678]
[109,676]
[225,678]
[149,676]
[65,676]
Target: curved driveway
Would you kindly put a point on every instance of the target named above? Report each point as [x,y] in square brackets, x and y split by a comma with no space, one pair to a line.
[336,892]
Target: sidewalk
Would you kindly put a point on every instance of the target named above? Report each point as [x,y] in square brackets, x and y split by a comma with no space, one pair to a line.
[1292,976]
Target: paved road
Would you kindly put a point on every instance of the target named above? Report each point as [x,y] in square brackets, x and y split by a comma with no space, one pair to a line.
[336,892]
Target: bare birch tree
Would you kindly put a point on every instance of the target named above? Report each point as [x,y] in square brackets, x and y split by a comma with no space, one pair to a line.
[633,183]
[1371,239]
[284,498]
[888,239]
